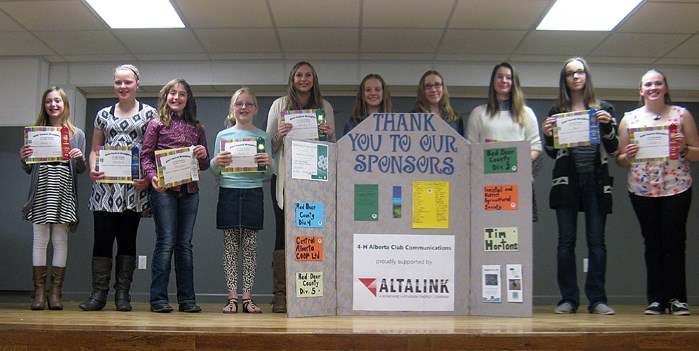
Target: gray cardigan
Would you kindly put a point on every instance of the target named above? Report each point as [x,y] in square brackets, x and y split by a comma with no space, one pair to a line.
[77,165]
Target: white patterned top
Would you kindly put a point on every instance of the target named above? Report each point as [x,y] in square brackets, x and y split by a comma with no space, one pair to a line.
[121,132]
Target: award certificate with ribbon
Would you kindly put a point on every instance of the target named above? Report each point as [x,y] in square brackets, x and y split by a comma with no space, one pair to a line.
[49,144]
[243,151]
[305,124]
[578,128]
[176,166]
[120,164]
[654,143]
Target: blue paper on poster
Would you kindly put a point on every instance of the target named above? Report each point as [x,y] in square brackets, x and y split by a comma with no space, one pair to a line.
[310,215]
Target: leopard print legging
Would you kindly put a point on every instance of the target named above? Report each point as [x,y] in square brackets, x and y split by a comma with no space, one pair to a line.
[231,244]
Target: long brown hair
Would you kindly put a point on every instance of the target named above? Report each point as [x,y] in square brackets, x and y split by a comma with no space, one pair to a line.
[292,100]
[516,95]
[360,109]
[43,118]
[563,103]
[423,105]
[189,114]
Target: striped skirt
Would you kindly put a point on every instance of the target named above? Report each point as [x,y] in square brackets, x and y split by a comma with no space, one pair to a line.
[54,201]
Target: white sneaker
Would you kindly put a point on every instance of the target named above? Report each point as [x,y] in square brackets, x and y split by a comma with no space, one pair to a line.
[564,308]
[602,308]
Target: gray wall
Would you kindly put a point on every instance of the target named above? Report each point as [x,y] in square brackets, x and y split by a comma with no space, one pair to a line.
[625,267]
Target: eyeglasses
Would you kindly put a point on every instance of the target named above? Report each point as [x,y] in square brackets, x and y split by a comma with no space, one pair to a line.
[243,104]
[429,86]
[579,73]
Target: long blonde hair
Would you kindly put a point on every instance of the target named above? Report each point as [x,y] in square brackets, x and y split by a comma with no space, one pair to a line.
[423,105]
[292,100]
[230,119]
[43,118]
[666,98]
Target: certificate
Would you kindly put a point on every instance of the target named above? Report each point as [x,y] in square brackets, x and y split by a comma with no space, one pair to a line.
[49,144]
[120,164]
[654,143]
[176,166]
[309,161]
[578,128]
[243,151]
[305,124]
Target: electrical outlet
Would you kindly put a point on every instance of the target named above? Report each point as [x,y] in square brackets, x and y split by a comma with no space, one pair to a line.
[142,262]
[584,264]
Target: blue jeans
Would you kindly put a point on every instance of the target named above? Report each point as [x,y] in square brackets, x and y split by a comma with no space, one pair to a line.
[174,214]
[597,253]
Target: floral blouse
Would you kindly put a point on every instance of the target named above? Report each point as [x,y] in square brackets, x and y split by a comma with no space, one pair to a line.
[658,178]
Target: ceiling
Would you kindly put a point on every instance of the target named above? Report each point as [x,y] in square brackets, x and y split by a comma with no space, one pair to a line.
[658,32]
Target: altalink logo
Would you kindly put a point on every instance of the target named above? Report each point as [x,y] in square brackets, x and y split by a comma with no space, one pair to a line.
[406,285]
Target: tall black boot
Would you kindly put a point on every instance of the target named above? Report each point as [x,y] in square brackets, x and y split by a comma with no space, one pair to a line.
[101,272]
[125,266]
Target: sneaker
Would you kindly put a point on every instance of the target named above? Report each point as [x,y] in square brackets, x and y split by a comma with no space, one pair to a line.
[189,307]
[654,308]
[564,308]
[602,308]
[679,308]
[160,308]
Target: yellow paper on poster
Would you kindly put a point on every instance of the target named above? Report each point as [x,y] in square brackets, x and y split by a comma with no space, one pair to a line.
[431,204]
[309,284]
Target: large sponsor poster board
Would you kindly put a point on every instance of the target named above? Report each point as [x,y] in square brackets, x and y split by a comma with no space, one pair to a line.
[309,216]
[404,183]
[394,272]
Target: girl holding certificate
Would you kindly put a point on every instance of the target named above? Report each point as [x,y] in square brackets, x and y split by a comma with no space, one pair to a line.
[660,190]
[303,93]
[52,204]
[174,208]
[240,150]
[433,97]
[373,96]
[117,207]
[581,183]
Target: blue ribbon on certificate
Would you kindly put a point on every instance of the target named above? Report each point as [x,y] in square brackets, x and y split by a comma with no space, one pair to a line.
[594,127]
[135,163]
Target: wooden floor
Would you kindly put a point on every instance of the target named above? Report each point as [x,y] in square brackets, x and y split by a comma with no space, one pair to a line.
[72,329]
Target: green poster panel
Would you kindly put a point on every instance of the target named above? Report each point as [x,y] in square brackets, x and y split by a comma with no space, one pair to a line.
[500,160]
[366,202]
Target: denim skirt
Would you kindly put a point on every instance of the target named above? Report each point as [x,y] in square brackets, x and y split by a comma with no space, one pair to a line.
[240,208]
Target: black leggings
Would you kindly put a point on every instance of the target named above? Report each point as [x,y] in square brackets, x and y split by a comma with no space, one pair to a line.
[122,226]
[663,226]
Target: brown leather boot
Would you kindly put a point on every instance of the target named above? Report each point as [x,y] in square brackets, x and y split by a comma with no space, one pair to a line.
[279,281]
[39,276]
[58,274]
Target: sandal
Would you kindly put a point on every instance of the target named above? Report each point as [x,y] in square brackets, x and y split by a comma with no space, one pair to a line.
[250,307]
[231,306]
